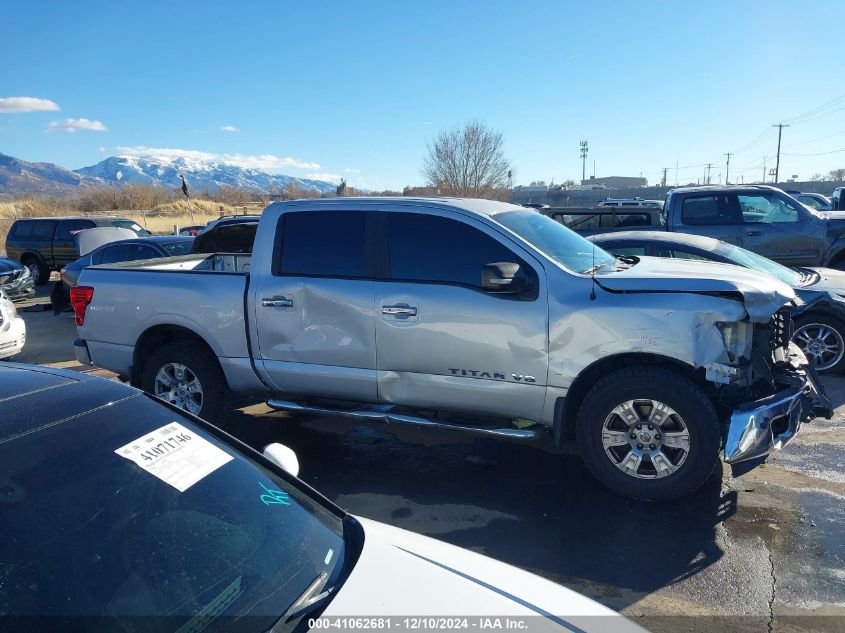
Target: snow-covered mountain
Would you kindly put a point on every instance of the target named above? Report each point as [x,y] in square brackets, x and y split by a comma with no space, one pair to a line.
[201,174]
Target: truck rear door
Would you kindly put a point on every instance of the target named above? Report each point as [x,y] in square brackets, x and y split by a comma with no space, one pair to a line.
[442,341]
[314,317]
[708,213]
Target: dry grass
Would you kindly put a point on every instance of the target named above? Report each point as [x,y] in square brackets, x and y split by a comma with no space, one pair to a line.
[159,220]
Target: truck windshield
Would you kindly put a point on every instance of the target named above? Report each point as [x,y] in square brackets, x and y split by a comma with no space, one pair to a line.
[556,241]
[758,262]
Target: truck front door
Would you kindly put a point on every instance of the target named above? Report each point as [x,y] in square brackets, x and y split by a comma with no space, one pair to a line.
[314,306]
[443,342]
[778,227]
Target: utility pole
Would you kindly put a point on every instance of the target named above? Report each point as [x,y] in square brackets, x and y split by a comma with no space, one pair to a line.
[764,170]
[709,165]
[728,168]
[663,181]
[584,151]
[780,127]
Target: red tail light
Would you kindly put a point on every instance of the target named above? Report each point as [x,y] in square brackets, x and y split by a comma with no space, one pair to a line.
[80,297]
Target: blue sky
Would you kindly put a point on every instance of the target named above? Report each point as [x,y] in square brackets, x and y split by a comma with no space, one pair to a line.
[357,89]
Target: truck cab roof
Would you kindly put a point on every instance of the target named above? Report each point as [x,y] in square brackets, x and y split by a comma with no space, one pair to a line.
[471,205]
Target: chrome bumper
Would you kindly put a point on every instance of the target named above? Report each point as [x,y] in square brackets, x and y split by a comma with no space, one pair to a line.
[769,424]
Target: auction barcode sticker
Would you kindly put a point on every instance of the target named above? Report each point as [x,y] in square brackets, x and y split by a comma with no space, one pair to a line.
[175,455]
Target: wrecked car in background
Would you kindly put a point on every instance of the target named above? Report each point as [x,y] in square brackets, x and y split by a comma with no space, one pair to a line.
[819,325]
[469,315]
[15,280]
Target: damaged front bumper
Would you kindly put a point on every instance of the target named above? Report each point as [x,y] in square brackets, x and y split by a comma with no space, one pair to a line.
[758,428]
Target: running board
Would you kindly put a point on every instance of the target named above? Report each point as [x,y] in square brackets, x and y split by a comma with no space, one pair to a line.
[387,413]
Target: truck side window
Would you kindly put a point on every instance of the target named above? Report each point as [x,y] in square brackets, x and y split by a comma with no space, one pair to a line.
[760,208]
[324,243]
[707,211]
[440,250]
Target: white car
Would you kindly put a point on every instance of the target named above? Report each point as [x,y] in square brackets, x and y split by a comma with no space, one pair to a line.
[12,329]
[158,517]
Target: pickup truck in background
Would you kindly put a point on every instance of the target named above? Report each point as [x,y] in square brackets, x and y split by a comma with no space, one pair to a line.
[759,218]
[470,315]
[47,244]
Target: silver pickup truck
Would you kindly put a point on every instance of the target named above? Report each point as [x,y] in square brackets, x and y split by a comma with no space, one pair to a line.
[470,315]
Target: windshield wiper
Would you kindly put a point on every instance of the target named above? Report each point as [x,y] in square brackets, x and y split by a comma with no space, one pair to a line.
[306,602]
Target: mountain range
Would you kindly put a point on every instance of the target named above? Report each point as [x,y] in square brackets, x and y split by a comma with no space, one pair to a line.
[21,177]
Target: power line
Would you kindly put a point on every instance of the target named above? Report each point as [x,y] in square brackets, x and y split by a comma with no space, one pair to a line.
[806,116]
[834,151]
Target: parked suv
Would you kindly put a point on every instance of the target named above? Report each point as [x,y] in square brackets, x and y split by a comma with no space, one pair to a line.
[46,244]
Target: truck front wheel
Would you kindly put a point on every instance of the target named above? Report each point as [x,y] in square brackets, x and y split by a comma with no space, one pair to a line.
[648,432]
[188,376]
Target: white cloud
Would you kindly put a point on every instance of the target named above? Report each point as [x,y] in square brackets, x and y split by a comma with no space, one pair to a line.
[333,178]
[229,128]
[350,170]
[72,125]
[263,162]
[102,149]
[26,104]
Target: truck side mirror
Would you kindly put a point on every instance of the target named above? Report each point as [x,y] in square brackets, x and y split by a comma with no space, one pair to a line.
[283,457]
[504,278]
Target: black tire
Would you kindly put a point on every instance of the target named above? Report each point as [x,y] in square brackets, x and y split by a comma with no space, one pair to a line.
[671,388]
[838,332]
[38,269]
[217,399]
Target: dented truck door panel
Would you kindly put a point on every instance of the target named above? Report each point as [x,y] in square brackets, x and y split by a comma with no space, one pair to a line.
[440,337]
[314,310]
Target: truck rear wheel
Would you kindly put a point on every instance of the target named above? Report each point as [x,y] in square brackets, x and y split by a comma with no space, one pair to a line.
[648,432]
[188,376]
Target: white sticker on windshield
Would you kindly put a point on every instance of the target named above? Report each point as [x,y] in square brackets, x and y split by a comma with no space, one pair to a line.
[175,455]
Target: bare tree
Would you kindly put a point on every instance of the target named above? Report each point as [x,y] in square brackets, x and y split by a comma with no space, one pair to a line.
[837,174]
[467,161]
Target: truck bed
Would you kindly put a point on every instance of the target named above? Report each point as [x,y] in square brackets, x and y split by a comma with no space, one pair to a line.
[131,299]
[213,263]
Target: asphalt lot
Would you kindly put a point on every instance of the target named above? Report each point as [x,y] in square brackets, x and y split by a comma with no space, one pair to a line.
[760,551]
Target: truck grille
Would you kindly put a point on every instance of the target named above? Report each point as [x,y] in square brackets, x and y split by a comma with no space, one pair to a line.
[782,329]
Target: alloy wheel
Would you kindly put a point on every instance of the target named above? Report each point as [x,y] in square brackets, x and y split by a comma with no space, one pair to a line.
[645,439]
[822,344]
[178,385]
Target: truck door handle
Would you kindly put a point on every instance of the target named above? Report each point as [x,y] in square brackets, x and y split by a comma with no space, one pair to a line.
[753,233]
[399,310]
[277,302]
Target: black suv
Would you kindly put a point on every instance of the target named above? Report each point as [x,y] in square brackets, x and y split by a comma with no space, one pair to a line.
[46,244]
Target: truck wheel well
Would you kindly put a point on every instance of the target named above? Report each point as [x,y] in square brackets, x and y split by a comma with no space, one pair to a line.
[566,409]
[154,338]
[837,260]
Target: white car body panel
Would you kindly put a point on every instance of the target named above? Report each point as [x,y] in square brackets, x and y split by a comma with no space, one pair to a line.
[400,573]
